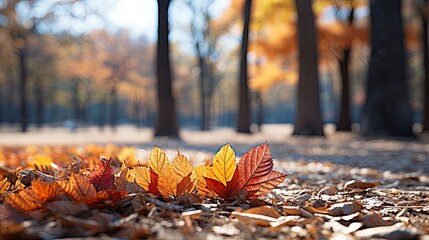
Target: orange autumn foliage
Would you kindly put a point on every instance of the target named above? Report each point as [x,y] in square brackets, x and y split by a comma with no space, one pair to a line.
[164,178]
[251,178]
[45,179]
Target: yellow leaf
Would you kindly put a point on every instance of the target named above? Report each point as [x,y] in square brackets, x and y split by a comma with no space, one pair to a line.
[141,177]
[43,163]
[158,160]
[181,166]
[224,165]
[201,183]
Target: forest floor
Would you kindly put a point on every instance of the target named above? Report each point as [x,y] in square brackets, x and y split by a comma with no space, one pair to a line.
[339,187]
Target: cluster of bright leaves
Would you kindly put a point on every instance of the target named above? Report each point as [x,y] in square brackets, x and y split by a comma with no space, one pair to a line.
[253,177]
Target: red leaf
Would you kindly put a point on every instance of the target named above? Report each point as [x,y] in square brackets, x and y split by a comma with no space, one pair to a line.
[102,177]
[256,172]
[153,185]
[230,191]
[185,185]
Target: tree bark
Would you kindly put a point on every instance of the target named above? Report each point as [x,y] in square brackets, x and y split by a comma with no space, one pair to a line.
[243,124]
[166,121]
[387,111]
[203,91]
[76,102]
[425,44]
[344,123]
[308,116]
[22,54]
[113,107]
[40,103]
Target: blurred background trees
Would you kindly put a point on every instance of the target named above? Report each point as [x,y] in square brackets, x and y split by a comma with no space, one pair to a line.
[59,69]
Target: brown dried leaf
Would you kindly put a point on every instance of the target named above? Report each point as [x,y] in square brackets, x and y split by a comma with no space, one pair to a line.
[297,210]
[327,191]
[345,208]
[353,184]
[374,220]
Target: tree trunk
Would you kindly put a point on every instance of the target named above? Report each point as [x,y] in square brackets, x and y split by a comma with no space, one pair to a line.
[113,107]
[243,124]
[344,123]
[22,54]
[102,112]
[308,116]
[166,120]
[425,44]
[387,111]
[40,103]
[76,102]
[259,107]
[203,91]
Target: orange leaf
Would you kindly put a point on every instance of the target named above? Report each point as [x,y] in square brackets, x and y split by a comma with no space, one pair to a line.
[256,172]
[224,165]
[201,180]
[32,197]
[102,177]
[166,177]
[78,188]
[44,191]
[23,200]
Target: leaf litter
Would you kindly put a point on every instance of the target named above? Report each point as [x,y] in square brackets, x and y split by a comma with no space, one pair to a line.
[54,195]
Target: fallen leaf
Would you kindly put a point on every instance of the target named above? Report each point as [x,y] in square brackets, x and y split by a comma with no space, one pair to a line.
[256,172]
[78,188]
[353,184]
[374,220]
[223,168]
[345,208]
[264,210]
[327,191]
[102,177]
[297,210]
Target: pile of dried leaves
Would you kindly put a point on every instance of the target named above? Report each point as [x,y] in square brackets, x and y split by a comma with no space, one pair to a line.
[55,192]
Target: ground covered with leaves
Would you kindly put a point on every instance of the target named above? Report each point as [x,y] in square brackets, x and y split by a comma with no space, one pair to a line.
[141,192]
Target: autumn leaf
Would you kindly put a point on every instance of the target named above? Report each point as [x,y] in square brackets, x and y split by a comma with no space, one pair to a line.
[163,177]
[4,185]
[224,165]
[167,181]
[32,197]
[185,176]
[142,177]
[211,177]
[78,188]
[23,200]
[256,172]
[44,164]
[102,177]
[254,176]
[201,182]
[230,191]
